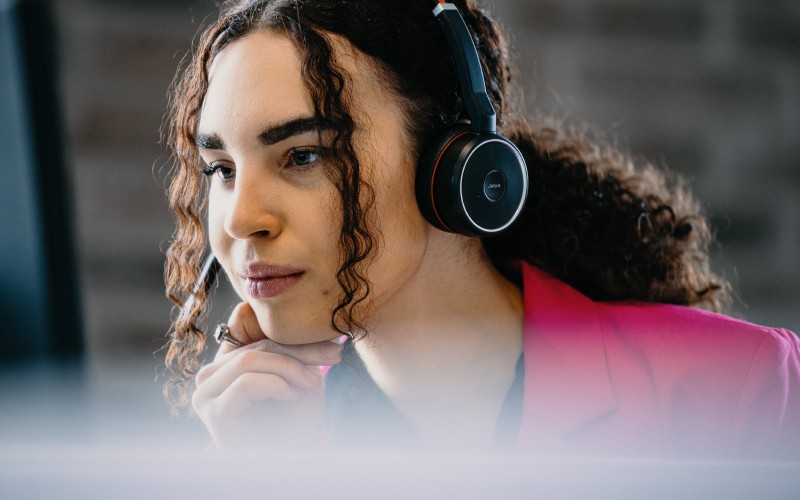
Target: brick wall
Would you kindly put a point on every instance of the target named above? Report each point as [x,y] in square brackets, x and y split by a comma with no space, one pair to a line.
[117,63]
[709,88]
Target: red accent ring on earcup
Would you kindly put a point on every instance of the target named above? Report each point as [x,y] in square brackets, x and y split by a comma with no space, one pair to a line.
[428,166]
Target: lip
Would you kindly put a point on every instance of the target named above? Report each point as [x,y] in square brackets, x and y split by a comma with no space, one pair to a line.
[267,281]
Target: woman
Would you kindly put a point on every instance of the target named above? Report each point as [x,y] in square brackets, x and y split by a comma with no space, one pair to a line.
[576,330]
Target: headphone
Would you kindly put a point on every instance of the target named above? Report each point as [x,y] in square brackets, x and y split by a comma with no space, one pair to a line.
[470,180]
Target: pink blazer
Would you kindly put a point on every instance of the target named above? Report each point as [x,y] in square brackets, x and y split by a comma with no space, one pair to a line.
[653,379]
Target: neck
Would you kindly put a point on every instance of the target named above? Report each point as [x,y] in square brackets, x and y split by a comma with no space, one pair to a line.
[444,349]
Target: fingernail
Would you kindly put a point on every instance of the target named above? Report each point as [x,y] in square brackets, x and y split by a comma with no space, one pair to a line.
[331,352]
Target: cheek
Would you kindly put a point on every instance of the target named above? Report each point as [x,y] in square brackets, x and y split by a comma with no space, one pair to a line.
[403,231]
[311,213]
[221,243]
[323,233]
[216,218]
[396,204]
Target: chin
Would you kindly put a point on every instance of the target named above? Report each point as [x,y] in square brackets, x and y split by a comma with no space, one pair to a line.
[285,328]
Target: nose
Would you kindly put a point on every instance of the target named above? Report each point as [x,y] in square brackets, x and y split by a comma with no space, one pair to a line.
[253,206]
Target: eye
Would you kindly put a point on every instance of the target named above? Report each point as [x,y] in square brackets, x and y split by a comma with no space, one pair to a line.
[223,172]
[303,158]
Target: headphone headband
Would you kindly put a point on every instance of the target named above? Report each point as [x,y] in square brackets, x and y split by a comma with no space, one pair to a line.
[470,75]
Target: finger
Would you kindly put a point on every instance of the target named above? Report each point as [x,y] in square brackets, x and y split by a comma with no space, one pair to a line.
[248,389]
[315,354]
[324,353]
[243,326]
[212,383]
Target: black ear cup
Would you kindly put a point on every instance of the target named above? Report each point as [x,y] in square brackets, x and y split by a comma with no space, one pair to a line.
[471,183]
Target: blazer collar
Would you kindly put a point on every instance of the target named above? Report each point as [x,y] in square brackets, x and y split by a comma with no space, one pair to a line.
[567,381]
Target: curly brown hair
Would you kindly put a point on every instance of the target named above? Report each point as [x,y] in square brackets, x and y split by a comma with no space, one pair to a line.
[611,229]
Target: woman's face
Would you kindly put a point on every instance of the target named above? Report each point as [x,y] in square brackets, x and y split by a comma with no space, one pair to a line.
[274,214]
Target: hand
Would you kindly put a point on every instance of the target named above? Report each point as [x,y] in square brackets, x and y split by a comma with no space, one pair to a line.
[263,394]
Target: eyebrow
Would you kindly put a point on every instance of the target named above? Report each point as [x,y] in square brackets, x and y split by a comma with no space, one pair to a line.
[271,135]
[282,131]
[205,141]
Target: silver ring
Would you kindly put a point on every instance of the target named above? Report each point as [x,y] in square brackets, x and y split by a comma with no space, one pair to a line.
[223,334]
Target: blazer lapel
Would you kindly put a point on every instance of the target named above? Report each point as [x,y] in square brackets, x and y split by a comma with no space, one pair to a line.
[567,385]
